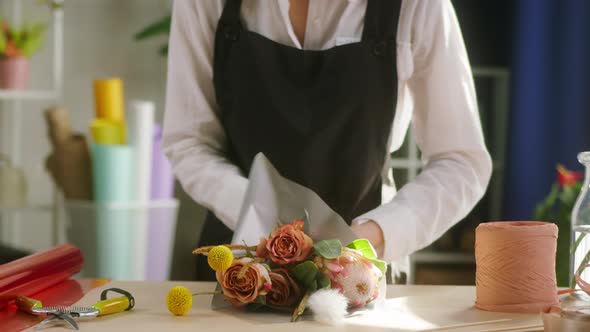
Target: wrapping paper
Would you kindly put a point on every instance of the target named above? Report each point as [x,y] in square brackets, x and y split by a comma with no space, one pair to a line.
[140,136]
[32,274]
[108,99]
[69,163]
[271,198]
[140,131]
[107,132]
[162,182]
[113,173]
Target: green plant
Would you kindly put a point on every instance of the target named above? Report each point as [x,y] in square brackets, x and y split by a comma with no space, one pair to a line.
[20,42]
[557,208]
[159,28]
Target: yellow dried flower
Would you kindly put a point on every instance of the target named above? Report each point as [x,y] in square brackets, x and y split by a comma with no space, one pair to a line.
[220,258]
[179,300]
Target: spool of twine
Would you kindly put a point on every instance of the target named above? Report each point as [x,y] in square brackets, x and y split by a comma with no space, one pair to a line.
[516,266]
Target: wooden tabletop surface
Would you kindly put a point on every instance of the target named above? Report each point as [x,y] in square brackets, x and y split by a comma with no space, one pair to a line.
[407,308]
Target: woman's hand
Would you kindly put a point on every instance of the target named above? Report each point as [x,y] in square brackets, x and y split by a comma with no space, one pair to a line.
[371,231]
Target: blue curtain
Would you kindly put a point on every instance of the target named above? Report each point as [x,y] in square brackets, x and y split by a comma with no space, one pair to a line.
[550,115]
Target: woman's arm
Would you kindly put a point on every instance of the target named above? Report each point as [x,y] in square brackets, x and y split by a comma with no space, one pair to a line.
[194,139]
[448,131]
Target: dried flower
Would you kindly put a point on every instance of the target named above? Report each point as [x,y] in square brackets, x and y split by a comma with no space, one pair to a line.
[288,244]
[244,281]
[354,275]
[285,291]
[220,258]
[179,300]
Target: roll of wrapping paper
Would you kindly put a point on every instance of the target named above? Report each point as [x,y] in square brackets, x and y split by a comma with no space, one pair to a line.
[141,127]
[32,274]
[108,98]
[162,182]
[69,163]
[113,173]
[107,132]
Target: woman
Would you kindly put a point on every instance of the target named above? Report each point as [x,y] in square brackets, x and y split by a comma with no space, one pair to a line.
[326,90]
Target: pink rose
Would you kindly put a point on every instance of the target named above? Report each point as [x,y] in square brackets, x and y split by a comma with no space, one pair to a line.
[288,244]
[244,281]
[285,291]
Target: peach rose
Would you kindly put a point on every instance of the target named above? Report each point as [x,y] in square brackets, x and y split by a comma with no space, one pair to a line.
[288,244]
[285,291]
[261,248]
[243,285]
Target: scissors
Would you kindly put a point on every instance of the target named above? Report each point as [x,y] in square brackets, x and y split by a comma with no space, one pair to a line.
[55,318]
[62,314]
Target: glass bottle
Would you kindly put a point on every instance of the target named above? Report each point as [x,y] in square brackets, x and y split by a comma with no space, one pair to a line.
[581,225]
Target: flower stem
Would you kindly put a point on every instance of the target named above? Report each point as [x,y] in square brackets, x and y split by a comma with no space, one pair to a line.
[301,307]
[205,250]
[207,293]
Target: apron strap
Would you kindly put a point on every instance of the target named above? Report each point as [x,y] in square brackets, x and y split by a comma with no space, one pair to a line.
[381,20]
[230,19]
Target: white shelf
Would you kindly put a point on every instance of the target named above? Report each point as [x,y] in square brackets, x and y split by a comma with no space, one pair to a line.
[28,95]
[27,209]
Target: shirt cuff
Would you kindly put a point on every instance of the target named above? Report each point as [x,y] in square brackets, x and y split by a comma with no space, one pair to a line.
[398,224]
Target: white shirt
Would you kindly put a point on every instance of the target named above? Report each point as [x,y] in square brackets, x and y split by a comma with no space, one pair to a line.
[435,94]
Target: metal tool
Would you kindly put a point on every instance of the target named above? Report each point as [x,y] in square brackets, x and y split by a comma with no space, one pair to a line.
[67,314]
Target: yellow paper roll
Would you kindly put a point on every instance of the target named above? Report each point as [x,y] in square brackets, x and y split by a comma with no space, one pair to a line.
[107,132]
[108,97]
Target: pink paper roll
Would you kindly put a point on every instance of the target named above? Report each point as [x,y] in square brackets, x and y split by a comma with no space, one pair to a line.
[516,266]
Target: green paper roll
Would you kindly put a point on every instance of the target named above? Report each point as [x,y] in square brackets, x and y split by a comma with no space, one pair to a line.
[115,242]
[112,173]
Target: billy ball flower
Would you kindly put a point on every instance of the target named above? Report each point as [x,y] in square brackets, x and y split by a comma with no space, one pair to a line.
[220,258]
[179,300]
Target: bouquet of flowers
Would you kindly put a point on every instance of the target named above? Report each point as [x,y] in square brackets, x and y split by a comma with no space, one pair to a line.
[287,270]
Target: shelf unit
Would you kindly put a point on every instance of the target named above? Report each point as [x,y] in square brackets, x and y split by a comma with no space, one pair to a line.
[11,108]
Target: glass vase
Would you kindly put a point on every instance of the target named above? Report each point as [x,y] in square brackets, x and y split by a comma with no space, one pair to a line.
[581,227]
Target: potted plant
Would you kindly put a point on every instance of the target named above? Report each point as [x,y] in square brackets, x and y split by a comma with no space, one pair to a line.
[557,208]
[16,47]
[158,28]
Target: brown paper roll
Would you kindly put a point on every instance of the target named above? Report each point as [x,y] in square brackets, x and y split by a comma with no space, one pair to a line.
[69,163]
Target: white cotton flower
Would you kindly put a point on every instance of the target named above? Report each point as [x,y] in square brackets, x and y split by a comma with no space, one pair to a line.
[328,306]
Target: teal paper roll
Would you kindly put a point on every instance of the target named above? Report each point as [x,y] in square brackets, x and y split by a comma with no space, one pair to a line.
[112,173]
[115,242]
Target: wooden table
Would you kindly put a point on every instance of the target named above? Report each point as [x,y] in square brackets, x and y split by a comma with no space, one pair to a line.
[408,308]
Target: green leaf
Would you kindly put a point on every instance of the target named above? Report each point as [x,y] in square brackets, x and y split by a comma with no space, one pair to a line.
[163,50]
[365,247]
[309,276]
[381,265]
[160,27]
[305,273]
[329,249]
[2,43]
[324,281]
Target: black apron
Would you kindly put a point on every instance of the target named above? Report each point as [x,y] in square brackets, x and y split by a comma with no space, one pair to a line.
[323,118]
